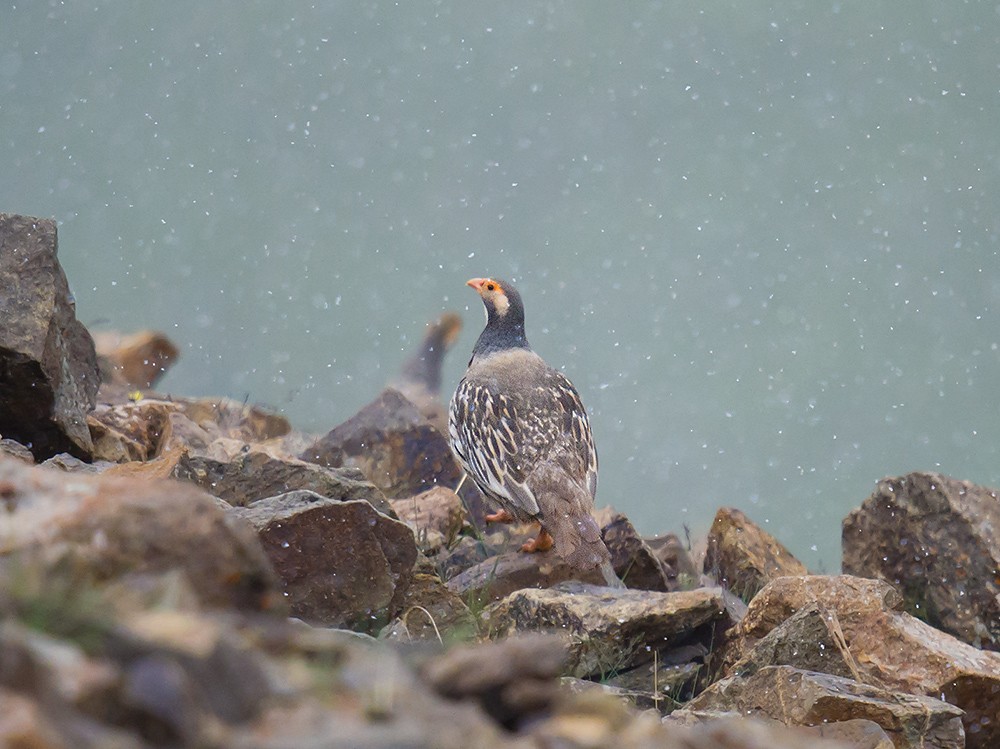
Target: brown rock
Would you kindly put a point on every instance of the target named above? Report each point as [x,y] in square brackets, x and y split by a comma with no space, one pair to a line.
[464,554]
[743,557]
[249,476]
[497,577]
[50,375]
[105,527]
[438,509]
[13,449]
[676,557]
[130,432]
[634,562]
[935,539]
[430,611]
[394,446]
[797,697]
[512,680]
[419,379]
[137,360]
[209,419]
[610,630]
[891,649]
[343,564]
[721,730]
[811,639]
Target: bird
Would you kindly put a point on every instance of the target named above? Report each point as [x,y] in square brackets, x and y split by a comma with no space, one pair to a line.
[519,429]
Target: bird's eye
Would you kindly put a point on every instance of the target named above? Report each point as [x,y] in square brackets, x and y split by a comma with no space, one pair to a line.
[490,286]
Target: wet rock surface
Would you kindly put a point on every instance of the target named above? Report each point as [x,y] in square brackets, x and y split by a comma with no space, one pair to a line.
[342,564]
[393,444]
[743,557]
[795,697]
[890,649]
[611,631]
[935,539]
[48,366]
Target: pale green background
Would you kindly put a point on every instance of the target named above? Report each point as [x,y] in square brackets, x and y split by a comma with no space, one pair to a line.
[761,239]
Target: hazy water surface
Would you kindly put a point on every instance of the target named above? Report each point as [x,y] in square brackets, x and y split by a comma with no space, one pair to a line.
[763,241]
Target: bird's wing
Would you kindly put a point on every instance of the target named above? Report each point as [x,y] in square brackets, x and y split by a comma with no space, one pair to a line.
[576,426]
[485,430]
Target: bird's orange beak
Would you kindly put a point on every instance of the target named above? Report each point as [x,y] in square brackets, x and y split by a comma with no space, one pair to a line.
[476,283]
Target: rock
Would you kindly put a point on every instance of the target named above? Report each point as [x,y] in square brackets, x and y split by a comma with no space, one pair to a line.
[130,432]
[512,680]
[105,527]
[743,558]
[47,357]
[13,449]
[430,611]
[634,562]
[811,639]
[343,564]
[439,510]
[935,539]
[419,379]
[497,577]
[891,649]
[677,558]
[610,630]
[136,361]
[201,421]
[393,445]
[466,553]
[797,697]
[715,730]
[250,475]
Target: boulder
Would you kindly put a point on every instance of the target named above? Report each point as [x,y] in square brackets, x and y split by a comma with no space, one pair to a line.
[634,562]
[677,557]
[611,630]
[105,527]
[137,360]
[430,611]
[251,475]
[50,375]
[513,680]
[12,449]
[343,564]
[796,697]
[130,431]
[936,540]
[393,445]
[435,513]
[419,379]
[891,649]
[201,421]
[743,557]
[811,639]
[498,576]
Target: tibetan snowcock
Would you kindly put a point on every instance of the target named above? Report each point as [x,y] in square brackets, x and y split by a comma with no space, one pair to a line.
[521,433]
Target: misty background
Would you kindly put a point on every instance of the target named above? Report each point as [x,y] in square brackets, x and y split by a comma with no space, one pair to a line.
[761,240]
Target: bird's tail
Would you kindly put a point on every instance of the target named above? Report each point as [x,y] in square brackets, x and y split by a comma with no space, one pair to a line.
[578,542]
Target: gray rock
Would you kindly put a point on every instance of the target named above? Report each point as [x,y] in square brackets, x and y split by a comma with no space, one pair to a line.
[252,475]
[797,697]
[610,630]
[936,540]
[47,357]
[343,564]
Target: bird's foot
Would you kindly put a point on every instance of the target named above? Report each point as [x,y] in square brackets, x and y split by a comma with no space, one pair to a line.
[500,516]
[542,543]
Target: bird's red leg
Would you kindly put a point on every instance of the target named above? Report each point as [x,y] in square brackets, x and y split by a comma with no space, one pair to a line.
[500,516]
[542,543]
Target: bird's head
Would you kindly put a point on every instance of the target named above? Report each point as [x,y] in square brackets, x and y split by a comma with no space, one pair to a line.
[499,297]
